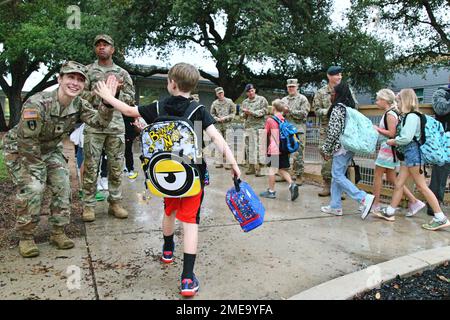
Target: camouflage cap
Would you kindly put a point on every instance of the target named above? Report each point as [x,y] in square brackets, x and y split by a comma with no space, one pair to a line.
[219,90]
[104,37]
[334,70]
[292,83]
[73,67]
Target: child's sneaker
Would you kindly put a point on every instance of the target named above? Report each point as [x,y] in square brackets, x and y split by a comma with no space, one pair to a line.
[367,203]
[329,210]
[99,196]
[382,213]
[434,224]
[189,287]
[293,189]
[268,194]
[132,175]
[167,257]
[414,208]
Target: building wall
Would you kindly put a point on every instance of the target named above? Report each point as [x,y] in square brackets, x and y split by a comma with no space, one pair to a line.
[425,84]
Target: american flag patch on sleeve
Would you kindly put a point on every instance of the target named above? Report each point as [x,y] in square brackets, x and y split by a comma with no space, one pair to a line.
[30,114]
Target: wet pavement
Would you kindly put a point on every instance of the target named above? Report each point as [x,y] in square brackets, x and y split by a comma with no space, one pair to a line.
[297,247]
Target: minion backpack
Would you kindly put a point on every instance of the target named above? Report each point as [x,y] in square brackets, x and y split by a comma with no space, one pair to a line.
[170,155]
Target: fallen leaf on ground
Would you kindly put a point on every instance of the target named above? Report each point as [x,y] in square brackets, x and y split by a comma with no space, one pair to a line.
[378,296]
[443,278]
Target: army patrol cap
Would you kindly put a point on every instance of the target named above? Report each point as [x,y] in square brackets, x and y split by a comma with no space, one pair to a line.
[219,90]
[292,83]
[73,67]
[105,38]
[249,87]
[334,70]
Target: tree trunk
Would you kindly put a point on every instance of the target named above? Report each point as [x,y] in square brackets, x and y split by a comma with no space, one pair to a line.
[232,89]
[3,126]
[15,107]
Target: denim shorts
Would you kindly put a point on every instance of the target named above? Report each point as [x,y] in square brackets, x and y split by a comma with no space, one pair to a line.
[413,157]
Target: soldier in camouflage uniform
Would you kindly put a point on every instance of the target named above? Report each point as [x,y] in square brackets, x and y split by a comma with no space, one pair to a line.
[34,155]
[297,113]
[223,110]
[111,139]
[323,99]
[254,109]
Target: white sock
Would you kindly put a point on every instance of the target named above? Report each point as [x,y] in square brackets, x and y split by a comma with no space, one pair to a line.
[271,190]
[440,216]
[390,211]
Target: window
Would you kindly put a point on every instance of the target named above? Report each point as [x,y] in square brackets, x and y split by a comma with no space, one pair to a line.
[419,93]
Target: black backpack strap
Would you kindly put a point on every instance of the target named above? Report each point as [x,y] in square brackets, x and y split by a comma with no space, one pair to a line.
[276,119]
[386,128]
[192,109]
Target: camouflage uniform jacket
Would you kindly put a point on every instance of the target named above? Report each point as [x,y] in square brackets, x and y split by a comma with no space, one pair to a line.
[322,101]
[98,73]
[298,108]
[258,109]
[223,109]
[44,124]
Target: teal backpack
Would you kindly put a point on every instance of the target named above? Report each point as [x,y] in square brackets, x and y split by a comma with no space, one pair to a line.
[359,136]
[434,142]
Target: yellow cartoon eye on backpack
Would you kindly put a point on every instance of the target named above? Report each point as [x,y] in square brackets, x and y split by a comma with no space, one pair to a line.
[170,177]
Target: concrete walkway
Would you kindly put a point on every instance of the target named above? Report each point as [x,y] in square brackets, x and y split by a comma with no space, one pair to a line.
[297,248]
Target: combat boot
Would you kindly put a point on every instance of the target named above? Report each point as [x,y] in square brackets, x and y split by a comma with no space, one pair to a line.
[88,214]
[258,171]
[116,209]
[299,180]
[250,170]
[27,246]
[60,239]
[325,191]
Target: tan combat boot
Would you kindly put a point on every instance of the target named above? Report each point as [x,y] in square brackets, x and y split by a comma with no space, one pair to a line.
[60,239]
[27,246]
[258,171]
[299,180]
[219,166]
[250,170]
[88,214]
[326,190]
[116,209]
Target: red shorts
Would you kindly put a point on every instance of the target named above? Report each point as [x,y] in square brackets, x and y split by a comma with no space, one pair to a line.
[187,209]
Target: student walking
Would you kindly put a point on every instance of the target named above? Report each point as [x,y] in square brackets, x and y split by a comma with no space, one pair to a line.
[278,160]
[182,79]
[410,166]
[341,157]
[387,161]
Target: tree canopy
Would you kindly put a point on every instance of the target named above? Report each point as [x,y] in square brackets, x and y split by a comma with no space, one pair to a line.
[422,27]
[284,38]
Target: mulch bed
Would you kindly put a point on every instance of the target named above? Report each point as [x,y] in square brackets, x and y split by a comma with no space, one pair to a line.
[9,237]
[428,285]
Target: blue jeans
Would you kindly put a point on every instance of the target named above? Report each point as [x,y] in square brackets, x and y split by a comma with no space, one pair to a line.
[438,182]
[340,183]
